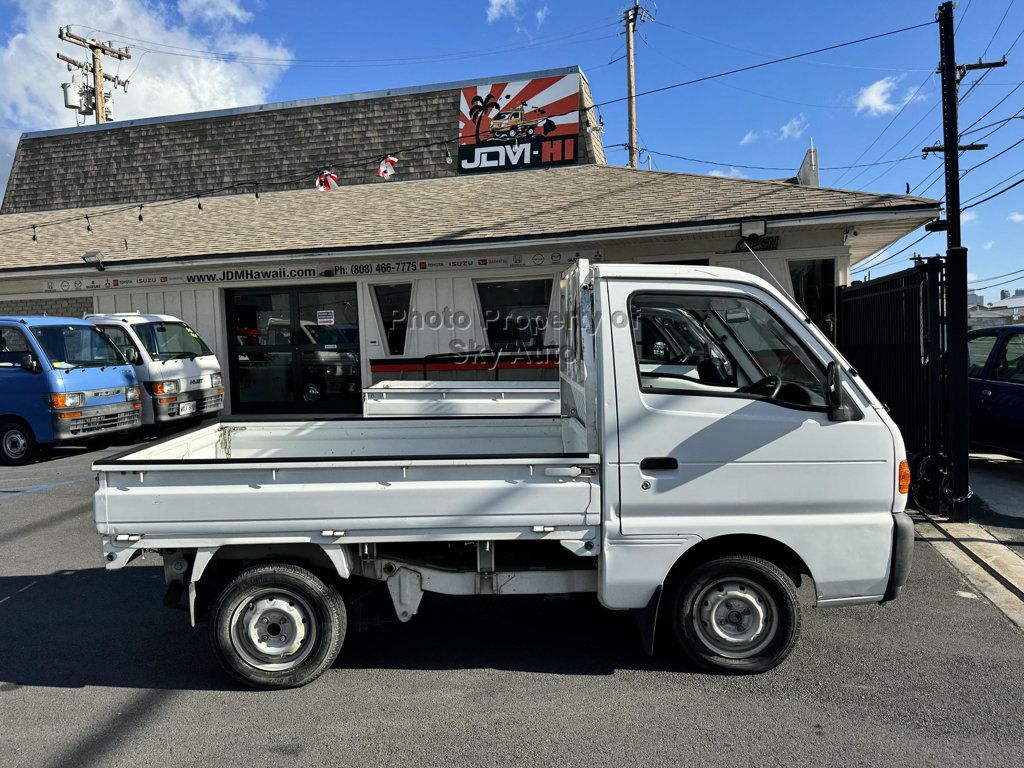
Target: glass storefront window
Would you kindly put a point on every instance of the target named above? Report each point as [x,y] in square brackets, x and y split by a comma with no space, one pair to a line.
[393,304]
[515,313]
[814,289]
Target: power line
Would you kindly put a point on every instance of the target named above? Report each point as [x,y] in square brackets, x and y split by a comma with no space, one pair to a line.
[1002,191]
[998,27]
[998,183]
[863,267]
[996,277]
[764,167]
[996,285]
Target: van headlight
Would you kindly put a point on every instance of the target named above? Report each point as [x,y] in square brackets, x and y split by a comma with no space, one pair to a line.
[131,393]
[68,400]
[169,387]
[217,380]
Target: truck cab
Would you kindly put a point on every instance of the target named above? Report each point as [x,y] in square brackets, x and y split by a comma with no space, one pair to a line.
[61,380]
[179,375]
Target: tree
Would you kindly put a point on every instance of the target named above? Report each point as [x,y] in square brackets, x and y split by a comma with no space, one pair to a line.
[479,107]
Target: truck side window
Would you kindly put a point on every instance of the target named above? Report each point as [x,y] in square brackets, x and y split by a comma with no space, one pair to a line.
[1010,363]
[978,349]
[119,338]
[13,346]
[710,345]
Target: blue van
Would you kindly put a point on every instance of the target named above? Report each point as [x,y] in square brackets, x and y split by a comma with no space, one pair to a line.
[60,380]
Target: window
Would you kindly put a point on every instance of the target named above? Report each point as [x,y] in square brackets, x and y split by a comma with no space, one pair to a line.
[169,341]
[119,338]
[814,289]
[515,313]
[1009,365]
[13,347]
[978,350]
[721,346]
[393,305]
[76,346]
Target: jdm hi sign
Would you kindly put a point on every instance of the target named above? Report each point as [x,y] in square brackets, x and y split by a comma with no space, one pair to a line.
[521,124]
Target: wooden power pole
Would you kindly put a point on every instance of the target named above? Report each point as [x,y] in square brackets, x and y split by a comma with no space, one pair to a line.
[632,16]
[99,50]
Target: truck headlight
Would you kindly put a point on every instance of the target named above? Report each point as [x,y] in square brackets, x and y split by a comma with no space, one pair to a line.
[217,380]
[68,400]
[169,387]
[131,393]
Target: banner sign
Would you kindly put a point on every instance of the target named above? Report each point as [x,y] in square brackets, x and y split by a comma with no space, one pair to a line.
[306,272]
[521,124]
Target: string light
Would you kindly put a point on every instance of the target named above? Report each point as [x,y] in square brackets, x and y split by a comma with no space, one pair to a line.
[257,191]
[140,214]
[88,224]
[447,155]
[35,239]
[199,204]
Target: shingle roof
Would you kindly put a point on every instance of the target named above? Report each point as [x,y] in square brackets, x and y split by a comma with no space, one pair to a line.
[568,200]
[160,158]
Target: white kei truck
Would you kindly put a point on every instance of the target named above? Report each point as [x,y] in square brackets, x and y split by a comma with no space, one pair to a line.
[179,375]
[713,450]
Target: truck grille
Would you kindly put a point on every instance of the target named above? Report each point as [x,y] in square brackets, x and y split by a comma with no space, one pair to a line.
[89,424]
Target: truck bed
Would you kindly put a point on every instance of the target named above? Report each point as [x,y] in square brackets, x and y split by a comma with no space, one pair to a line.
[462,398]
[351,481]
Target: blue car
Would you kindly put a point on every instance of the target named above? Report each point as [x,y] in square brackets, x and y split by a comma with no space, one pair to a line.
[61,380]
[996,376]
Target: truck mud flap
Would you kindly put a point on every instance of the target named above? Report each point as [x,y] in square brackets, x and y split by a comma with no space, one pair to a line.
[647,620]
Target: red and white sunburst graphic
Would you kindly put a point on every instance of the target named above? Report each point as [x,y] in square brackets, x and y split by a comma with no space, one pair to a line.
[547,107]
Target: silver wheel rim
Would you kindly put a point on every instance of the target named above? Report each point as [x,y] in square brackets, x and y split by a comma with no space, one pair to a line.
[735,618]
[274,630]
[15,444]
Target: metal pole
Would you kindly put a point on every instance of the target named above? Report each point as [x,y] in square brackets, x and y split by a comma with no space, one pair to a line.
[631,17]
[956,278]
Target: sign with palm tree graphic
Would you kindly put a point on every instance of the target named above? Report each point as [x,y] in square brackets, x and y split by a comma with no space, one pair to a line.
[520,124]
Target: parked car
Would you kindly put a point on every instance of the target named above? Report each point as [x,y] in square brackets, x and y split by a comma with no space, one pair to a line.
[61,380]
[996,379]
[180,377]
[708,494]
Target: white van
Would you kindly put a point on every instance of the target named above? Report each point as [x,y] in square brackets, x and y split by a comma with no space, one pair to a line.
[179,376]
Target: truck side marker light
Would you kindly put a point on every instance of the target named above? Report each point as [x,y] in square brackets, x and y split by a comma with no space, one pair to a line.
[904,477]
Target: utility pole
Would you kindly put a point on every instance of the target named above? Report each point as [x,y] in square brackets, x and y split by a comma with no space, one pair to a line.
[632,17]
[956,267]
[99,50]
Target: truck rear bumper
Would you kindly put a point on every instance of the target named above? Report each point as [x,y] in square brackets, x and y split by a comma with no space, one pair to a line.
[902,555]
[97,420]
[206,401]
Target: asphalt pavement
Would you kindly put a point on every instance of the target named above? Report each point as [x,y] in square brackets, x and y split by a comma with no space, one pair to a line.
[95,672]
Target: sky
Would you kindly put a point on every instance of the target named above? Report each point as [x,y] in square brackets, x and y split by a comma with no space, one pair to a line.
[866,103]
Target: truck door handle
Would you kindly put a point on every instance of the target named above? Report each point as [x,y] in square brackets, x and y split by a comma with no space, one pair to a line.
[656,463]
[986,392]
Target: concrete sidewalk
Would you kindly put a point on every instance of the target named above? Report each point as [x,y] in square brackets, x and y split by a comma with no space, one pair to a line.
[998,502]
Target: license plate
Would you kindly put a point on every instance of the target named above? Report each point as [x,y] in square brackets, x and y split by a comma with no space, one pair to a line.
[187,408]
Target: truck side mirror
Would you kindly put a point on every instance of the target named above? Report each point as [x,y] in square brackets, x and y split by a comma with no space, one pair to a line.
[30,364]
[132,355]
[839,406]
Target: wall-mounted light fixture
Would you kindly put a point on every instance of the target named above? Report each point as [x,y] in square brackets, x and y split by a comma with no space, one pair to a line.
[94,259]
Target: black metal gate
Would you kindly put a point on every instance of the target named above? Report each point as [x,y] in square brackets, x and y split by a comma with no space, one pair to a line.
[891,330]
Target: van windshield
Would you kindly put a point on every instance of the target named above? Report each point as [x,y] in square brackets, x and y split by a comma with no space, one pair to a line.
[169,341]
[76,346]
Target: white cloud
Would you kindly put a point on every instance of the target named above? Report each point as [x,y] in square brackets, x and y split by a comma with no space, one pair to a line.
[498,8]
[732,173]
[879,98]
[988,245]
[30,95]
[1016,217]
[968,218]
[541,15]
[749,137]
[213,11]
[972,276]
[795,128]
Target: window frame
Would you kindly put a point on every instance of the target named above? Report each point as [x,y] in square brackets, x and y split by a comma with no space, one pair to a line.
[30,350]
[985,372]
[379,315]
[554,282]
[128,335]
[820,366]
[1002,343]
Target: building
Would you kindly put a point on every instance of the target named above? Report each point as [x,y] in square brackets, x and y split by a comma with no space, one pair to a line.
[447,270]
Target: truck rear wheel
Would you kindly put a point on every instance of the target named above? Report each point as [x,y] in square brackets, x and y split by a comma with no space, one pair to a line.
[17,443]
[735,614]
[277,626]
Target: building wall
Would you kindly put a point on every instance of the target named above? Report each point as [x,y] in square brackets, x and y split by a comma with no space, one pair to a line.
[54,306]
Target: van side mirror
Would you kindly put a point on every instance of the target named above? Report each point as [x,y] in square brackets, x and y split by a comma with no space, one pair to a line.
[839,406]
[132,355]
[30,364]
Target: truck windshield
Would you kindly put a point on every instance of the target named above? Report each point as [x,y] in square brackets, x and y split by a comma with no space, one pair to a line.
[168,341]
[76,346]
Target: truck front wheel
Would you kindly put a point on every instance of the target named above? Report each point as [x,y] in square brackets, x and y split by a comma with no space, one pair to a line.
[735,614]
[277,626]
[17,443]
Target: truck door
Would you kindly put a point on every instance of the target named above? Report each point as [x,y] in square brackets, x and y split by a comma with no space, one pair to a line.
[723,427]
[22,392]
[979,349]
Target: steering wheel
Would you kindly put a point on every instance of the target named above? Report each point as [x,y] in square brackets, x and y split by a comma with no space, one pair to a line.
[769,386]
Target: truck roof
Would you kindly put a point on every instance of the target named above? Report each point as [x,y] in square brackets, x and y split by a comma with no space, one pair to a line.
[43,320]
[680,272]
[132,318]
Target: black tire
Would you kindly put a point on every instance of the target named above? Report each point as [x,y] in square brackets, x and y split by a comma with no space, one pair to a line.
[737,614]
[17,443]
[276,596]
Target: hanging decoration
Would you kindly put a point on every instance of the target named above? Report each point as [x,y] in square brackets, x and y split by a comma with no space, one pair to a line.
[386,169]
[326,181]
